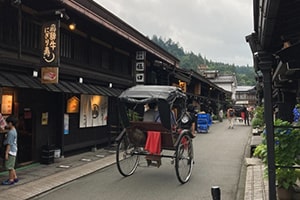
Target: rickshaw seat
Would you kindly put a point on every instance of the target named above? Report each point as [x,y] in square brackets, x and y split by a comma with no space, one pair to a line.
[149,126]
[167,137]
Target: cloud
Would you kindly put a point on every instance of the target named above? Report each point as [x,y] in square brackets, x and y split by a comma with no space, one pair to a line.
[214,28]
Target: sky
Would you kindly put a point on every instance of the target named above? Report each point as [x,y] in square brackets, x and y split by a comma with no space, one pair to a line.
[216,29]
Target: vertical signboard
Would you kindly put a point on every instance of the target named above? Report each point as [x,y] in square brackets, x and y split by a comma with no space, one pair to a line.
[50,58]
[140,67]
[66,124]
[6,105]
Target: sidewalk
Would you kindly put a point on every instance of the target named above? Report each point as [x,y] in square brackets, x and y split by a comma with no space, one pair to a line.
[36,179]
[256,186]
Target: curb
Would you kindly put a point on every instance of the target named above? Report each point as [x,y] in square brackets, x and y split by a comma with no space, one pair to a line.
[256,186]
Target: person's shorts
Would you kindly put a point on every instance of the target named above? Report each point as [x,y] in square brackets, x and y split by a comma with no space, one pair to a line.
[10,163]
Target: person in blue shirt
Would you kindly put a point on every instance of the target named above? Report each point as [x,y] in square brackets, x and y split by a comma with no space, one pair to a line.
[11,150]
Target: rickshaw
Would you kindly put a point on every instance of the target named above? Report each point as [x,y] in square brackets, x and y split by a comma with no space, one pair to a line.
[138,138]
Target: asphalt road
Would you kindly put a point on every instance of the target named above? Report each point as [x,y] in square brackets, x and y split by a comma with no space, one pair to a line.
[219,159]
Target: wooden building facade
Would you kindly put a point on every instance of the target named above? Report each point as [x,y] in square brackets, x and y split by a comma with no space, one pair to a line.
[95,62]
[62,82]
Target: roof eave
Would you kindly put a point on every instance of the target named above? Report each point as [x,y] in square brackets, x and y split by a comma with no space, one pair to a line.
[119,26]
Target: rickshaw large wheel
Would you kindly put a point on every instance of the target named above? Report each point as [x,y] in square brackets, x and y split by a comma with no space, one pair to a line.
[127,160]
[184,158]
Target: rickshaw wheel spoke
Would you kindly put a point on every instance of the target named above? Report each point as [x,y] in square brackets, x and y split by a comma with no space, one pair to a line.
[184,158]
[127,160]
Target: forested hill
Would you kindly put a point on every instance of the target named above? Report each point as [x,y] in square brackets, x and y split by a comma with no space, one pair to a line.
[189,60]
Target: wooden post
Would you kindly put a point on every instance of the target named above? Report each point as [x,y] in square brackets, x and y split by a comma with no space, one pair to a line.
[216,193]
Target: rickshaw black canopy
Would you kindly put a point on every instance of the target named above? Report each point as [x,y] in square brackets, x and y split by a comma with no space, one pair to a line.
[164,96]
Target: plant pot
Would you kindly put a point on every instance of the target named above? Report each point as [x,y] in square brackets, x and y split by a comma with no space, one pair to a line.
[296,192]
[284,194]
[296,195]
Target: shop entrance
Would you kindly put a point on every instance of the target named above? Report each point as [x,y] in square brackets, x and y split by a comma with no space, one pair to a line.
[15,102]
[25,137]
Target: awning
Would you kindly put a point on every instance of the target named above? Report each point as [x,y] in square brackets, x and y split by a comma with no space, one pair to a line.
[182,77]
[18,80]
[25,81]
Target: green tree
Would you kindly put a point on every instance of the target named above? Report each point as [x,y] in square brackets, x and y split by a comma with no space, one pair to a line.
[189,60]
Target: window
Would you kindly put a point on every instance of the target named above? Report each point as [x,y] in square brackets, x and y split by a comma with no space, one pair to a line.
[106,55]
[8,26]
[30,34]
[65,45]
[121,63]
[80,50]
[95,58]
[1,24]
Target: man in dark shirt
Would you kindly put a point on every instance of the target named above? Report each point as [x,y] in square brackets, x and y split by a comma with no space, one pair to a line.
[246,120]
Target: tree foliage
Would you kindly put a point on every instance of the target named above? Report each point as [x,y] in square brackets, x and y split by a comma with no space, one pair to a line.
[189,60]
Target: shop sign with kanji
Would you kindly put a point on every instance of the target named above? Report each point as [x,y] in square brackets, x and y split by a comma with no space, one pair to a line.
[50,44]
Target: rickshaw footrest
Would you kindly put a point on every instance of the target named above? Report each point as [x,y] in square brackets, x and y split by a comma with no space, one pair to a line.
[153,161]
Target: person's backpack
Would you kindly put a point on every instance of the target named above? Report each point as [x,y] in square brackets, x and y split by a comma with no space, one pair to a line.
[231,113]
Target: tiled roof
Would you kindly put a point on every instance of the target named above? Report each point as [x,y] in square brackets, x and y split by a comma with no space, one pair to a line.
[244,88]
[224,79]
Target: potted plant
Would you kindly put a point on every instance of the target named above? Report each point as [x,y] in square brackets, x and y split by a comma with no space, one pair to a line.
[287,149]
